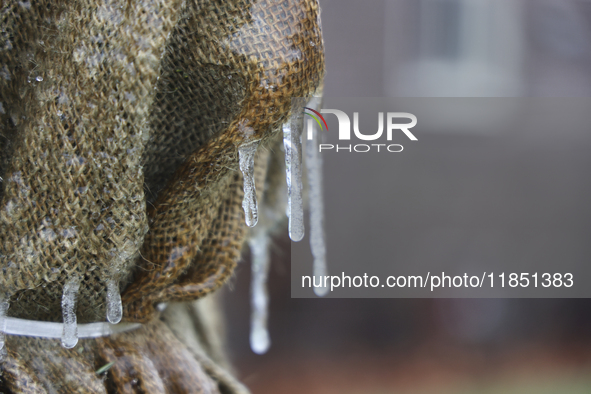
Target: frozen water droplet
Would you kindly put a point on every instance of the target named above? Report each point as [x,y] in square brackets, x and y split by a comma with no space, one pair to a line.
[259,340]
[114,307]
[259,334]
[39,78]
[70,332]
[3,310]
[293,164]
[315,198]
[246,154]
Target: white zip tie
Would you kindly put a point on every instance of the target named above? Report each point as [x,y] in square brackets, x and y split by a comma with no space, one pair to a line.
[44,329]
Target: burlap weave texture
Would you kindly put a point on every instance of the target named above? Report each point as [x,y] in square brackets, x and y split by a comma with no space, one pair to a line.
[120,124]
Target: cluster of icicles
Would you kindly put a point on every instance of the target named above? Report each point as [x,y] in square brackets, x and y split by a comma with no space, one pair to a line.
[259,245]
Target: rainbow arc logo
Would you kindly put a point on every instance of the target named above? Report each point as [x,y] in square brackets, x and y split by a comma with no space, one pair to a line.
[316,118]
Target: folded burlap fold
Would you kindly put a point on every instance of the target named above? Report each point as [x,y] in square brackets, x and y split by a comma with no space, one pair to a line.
[121,124]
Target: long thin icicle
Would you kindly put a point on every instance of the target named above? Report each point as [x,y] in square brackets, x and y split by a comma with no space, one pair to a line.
[292,132]
[316,201]
[246,155]
[3,310]
[70,333]
[114,307]
[259,334]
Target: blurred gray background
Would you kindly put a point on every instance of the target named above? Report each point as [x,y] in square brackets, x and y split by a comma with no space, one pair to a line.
[433,48]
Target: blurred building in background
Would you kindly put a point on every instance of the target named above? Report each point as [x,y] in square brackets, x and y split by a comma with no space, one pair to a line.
[459,48]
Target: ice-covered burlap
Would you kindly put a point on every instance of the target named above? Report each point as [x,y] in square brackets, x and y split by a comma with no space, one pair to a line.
[119,136]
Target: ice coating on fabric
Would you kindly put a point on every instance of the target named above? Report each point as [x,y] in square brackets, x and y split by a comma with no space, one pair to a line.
[3,310]
[292,132]
[315,199]
[114,306]
[70,333]
[246,155]
[259,334]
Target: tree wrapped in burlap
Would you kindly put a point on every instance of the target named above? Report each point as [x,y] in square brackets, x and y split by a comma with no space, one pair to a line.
[120,128]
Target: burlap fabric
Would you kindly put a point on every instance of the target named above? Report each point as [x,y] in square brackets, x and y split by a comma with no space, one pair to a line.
[120,127]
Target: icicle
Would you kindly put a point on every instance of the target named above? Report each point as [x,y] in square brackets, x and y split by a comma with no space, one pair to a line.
[3,310]
[114,307]
[315,198]
[293,164]
[246,154]
[70,332]
[259,335]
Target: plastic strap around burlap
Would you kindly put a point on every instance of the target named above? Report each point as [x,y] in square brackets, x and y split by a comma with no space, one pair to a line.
[44,329]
